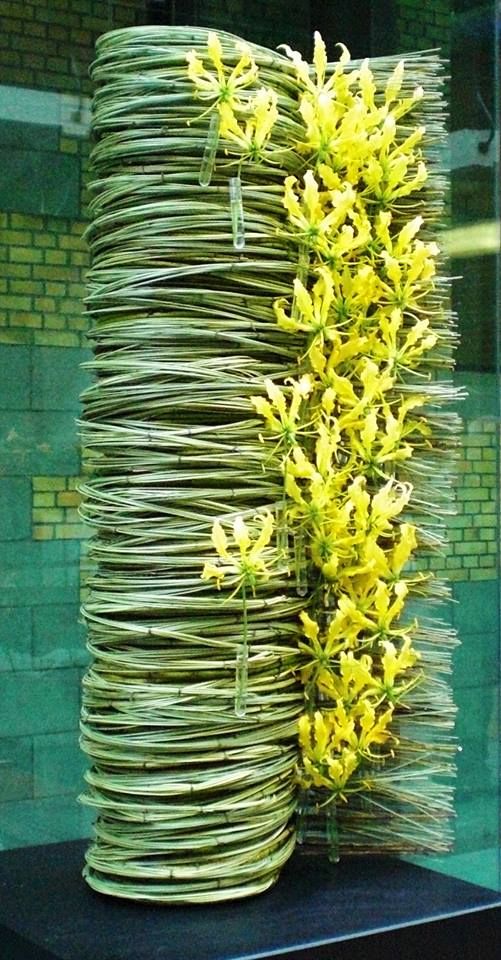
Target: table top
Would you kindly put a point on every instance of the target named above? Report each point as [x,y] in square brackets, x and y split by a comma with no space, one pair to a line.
[44,900]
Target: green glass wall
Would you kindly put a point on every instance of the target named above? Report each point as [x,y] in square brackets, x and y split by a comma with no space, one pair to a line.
[470,38]
[45,51]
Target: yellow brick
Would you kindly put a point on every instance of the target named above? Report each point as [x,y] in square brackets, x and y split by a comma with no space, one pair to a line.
[11,270]
[68,305]
[25,255]
[56,338]
[73,482]
[57,64]
[54,321]
[47,515]
[71,531]
[45,483]
[55,256]
[55,289]
[66,145]
[483,574]
[83,37]
[16,237]
[15,336]
[458,575]
[71,515]
[26,286]
[44,303]
[79,258]
[76,290]
[45,240]
[35,29]
[71,243]
[27,221]
[78,323]
[25,78]
[16,302]
[43,532]
[68,498]
[44,499]
[33,60]
[24,319]
[58,224]
[9,57]
[58,272]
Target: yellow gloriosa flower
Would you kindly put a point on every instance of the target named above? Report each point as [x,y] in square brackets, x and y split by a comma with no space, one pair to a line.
[303,73]
[250,562]
[252,137]
[316,215]
[395,662]
[219,85]
[281,417]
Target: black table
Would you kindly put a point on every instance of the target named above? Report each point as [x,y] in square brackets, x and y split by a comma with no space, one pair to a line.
[366,908]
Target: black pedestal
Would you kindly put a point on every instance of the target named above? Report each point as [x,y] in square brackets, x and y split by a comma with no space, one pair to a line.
[361,908]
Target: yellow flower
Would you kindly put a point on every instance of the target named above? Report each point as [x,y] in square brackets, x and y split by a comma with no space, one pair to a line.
[401,347]
[220,86]
[316,216]
[212,572]
[319,85]
[319,648]
[404,546]
[281,418]
[313,310]
[250,563]
[252,138]
[388,603]
[349,680]
[396,662]
[324,762]
[373,728]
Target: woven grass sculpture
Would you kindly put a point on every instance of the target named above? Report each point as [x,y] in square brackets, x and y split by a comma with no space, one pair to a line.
[268,454]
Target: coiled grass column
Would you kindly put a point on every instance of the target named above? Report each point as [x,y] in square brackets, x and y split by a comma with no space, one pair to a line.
[269,453]
[194,802]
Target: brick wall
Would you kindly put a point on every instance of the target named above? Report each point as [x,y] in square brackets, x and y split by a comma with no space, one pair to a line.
[268,22]
[421,26]
[472,551]
[47,46]
[42,280]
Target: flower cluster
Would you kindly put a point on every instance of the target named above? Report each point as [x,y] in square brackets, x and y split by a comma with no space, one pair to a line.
[245,118]
[345,428]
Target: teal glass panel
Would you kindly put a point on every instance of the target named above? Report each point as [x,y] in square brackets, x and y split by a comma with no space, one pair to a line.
[468,35]
[45,53]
